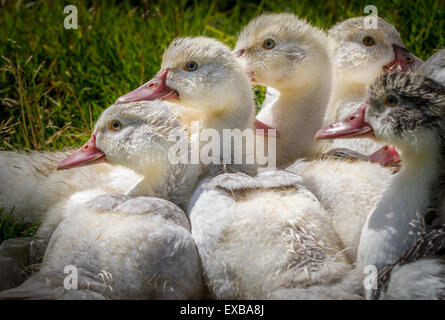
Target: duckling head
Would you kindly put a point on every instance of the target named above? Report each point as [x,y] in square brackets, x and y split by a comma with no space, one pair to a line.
[407,111]
[360,53]
[282,51]
[133,135]
[199,73]
[404,110]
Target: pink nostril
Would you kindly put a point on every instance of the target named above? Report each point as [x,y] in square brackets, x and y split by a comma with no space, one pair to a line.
[240,52]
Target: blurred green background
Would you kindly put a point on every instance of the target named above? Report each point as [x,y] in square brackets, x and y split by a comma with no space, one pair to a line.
[55,82]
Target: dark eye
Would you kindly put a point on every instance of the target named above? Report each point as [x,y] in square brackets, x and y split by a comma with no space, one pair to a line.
[391,100]
[268,44]
[115,125]
[190,66]
[368,41]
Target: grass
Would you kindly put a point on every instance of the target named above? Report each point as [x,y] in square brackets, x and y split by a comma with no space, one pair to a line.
[55,82]
[13,229]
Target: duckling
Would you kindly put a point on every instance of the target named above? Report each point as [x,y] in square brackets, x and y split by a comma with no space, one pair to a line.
[134,246]
[253,216]
[267,237]
[406,110]
[352,74]
[359,55]
[157,171]
[267,67]
[199,75]
[288,54]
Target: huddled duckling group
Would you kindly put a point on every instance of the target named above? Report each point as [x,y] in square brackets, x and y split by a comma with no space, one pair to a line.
[367,191]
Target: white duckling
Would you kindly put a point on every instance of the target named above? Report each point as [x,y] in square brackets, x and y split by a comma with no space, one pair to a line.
[286,53]
[125,246]
[355,67]
[360,54]
[267,237]
[199,77]
[158,170]
[294,116]
[408,112]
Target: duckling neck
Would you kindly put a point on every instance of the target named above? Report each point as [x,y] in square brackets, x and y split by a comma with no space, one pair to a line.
[398,219]
[343,91]
[154,181]
[233,115]
[171,182]
[297,115]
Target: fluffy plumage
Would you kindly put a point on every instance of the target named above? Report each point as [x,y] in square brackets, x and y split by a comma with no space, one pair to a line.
[355,67]
[298,66]
[142,147]
[266,237]
[125,246]
[218,89]
[406,110]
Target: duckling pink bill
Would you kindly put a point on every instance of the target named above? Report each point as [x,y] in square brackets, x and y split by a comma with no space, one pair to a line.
[385,156]
[154,89]
[404,61]
[353,126]
[86,155]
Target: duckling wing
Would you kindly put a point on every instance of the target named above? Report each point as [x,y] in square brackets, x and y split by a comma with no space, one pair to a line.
[257,235]
[265,180]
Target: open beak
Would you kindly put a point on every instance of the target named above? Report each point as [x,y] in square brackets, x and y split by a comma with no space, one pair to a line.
[403,60]
[386,155]
[154,89]
[87,155]
[353,126]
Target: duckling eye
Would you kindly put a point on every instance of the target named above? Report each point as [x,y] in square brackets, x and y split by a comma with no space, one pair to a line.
[391,100]
[268,44]
[115,125]
[368,41]
[190,66]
